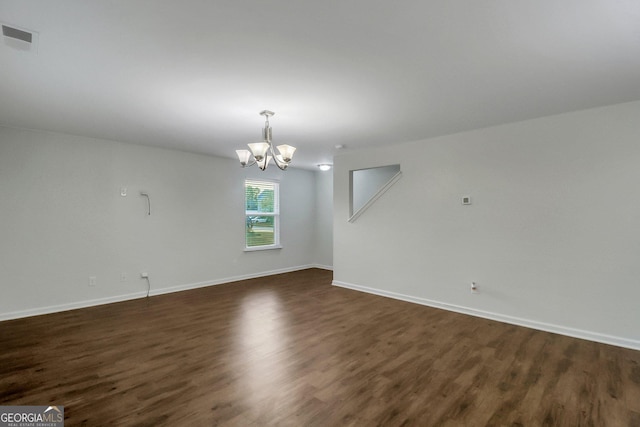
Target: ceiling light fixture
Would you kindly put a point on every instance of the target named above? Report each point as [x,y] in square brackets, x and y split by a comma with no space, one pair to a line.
[324,167]
[262,152]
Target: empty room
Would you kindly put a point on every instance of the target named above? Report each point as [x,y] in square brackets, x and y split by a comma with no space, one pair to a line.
[338,213]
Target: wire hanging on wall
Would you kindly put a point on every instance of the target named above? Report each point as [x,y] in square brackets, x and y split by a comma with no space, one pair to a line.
[143,194]
[148,286]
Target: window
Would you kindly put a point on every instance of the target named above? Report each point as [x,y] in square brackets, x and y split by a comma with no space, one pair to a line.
[262,215]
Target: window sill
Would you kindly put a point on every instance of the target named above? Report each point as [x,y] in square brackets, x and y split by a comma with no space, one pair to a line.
[262,248]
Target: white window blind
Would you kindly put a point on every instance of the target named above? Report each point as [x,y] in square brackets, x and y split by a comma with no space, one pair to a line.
[262,214]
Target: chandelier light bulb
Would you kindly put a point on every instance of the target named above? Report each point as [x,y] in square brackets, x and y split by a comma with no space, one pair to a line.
[259,149]
[243,156]
[286,151]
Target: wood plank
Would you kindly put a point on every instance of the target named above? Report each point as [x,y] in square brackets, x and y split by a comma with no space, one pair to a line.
[293,350]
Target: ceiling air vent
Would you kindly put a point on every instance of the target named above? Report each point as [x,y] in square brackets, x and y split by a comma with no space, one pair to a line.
[19,38]
[15,33]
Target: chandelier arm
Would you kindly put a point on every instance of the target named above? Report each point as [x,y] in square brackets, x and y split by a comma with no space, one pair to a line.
[281,165]
[251,163]
[265,164]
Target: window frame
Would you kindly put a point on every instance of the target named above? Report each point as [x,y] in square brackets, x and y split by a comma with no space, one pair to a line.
[275,214]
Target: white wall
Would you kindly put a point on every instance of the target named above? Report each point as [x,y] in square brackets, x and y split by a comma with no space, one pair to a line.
[552,237]
[63,220]
[324,219]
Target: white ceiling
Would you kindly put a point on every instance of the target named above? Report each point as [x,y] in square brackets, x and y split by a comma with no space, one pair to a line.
[193,75]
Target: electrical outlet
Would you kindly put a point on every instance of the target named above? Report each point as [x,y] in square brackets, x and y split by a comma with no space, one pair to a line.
[474,288]
[93,280]
[144,275]
[123,191]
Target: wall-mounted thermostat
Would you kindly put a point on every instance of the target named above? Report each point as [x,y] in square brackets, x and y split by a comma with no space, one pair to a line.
[466,200]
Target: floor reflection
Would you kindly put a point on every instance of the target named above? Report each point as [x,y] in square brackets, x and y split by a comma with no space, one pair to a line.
[261,347]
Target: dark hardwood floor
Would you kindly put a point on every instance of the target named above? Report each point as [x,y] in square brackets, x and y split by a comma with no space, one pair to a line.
[292,350]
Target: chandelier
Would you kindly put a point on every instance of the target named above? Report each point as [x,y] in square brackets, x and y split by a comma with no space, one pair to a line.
[262,152]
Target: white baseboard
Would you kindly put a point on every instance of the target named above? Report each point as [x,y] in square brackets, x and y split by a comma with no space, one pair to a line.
[533,324]
[119,298]
[322,267]
[70,306]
